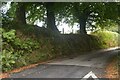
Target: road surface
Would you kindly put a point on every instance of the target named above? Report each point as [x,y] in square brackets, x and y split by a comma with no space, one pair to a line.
[76,67]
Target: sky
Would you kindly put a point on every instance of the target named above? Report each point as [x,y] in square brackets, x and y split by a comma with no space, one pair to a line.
[5,7]
[66,27]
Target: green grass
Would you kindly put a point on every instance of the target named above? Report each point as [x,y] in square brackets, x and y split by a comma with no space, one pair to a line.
[50,47]
[107,38]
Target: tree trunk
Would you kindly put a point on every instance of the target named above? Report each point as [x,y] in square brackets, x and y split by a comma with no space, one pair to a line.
[51,17]
[82,23]
[20,14]
[82,17]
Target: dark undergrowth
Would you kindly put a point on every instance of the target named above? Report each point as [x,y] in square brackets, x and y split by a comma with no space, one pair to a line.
[28,44]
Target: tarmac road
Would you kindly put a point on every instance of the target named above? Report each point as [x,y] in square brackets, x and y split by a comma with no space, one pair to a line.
[76,67]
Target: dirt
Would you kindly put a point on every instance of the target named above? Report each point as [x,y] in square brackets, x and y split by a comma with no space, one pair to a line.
[112,70]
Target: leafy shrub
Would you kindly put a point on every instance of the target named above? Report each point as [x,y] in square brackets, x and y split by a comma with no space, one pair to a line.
[107,38]
[13,49]
[19,50]
[8,60]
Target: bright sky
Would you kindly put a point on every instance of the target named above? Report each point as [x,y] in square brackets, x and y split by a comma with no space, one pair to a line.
[66,27]
[6,7]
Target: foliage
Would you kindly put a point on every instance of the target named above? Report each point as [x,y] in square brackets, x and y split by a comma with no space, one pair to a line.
[8,60]
[35,11]
[70,12]
[20,49]
[110,26]
[14,48]
[107,38]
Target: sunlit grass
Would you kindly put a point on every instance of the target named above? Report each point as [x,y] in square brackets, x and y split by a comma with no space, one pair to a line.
[108,38]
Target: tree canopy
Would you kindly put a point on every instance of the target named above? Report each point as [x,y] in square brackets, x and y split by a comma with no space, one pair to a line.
[83,13]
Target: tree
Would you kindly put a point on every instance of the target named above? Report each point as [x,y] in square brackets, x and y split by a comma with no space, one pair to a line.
[82,13]
[35,11]
[87,13]
[78,13]
[82,16]
[108,15]
[20,13]
[43,12]
[51,16]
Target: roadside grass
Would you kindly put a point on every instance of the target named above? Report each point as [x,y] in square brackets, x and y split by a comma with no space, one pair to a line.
[32,44]
[108,38]
[111,39]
